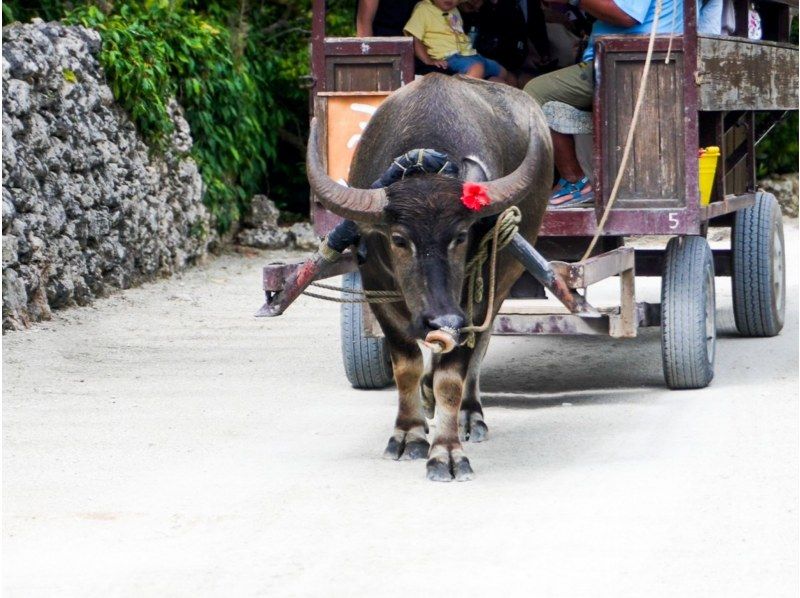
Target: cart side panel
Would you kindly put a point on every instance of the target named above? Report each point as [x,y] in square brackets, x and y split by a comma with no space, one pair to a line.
[738,74]
[654,176]
[356,65]
[368,64]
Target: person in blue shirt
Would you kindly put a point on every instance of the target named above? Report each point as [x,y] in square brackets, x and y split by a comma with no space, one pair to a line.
[574,85]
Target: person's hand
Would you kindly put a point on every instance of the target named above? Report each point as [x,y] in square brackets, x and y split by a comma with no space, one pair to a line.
[439,64]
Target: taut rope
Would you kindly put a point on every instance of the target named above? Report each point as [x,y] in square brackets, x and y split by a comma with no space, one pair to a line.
[360,296]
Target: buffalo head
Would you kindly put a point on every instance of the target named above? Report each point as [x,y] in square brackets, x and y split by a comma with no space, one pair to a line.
[427,229]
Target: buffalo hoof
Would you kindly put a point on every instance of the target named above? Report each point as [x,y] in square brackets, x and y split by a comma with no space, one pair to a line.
[471,426]
[450,468]
[404,447]
[478,431]
[416,449]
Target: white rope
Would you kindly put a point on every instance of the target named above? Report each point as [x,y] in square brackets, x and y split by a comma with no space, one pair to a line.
[629,141]
[671,34]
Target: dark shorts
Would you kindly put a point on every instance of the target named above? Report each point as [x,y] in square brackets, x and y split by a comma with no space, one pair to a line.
[461,64]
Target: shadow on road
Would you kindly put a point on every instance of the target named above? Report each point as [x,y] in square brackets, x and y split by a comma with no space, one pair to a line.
[536,372]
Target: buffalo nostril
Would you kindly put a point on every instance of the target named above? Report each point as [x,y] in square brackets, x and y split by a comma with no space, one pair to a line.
[451,321]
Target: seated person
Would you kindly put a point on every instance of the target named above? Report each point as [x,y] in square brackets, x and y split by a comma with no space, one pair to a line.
[386,18]
[383,18]
[574,85]
[568,28]
[439,40]
[511,32]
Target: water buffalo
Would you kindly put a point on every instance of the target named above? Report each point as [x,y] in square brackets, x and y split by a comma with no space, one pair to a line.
[419,235]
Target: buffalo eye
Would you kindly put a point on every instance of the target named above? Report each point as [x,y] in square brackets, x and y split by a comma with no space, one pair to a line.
[460,238]
[399,241]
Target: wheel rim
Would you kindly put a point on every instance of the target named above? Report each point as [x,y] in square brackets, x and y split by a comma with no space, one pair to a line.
[711,316]
[777,271]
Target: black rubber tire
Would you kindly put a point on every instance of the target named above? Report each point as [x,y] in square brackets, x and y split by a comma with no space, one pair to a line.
[688,320]
[367,363]
[759,268]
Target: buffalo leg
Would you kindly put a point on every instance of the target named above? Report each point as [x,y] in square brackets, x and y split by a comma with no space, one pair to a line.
[408,440]
[447,459]
[470,418]
[426,387]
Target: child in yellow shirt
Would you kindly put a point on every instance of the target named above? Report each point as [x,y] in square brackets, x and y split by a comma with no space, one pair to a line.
[439,40]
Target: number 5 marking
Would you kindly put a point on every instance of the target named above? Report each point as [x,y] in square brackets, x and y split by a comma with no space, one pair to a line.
[673,220]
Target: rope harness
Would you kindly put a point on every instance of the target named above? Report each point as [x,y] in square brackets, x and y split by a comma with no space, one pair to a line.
[500,235]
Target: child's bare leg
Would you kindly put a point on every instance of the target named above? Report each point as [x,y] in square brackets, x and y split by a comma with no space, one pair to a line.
[475,70]
[502,77]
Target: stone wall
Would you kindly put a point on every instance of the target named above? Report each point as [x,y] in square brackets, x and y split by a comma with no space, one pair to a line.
[86,208]
[784,187]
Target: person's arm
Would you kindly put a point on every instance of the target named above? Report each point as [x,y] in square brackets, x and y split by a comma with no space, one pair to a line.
[365,16]
[421,52]
[605,10]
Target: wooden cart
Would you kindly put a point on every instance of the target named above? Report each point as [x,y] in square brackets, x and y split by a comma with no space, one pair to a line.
[725,91]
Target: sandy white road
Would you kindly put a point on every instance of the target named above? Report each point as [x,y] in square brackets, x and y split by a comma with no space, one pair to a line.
[165,443]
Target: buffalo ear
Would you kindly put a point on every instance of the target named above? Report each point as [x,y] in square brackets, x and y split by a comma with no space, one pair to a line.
[473,170]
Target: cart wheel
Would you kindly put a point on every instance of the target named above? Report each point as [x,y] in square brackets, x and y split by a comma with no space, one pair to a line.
[366,360]
[688,319]
[759,268]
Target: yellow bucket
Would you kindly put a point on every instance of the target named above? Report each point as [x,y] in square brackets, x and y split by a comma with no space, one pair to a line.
[708,168]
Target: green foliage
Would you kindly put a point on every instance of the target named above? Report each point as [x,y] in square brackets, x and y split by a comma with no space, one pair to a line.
[152,52]
[777,153]
[25,10]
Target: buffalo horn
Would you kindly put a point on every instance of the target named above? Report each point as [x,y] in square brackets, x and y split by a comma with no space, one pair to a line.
[512,188]
[361,205]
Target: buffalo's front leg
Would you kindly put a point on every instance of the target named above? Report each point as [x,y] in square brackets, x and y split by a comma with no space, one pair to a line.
[447,459]
[470,421]
[408,440]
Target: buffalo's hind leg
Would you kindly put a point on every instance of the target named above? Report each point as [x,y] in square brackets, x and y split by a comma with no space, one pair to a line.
[447,459]
[470,417]
[408,440]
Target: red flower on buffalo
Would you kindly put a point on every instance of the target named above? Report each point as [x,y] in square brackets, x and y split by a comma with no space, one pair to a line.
[474,196]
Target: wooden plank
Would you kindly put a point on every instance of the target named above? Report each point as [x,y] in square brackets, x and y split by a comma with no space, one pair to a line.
[690,121]
[317,48]
[735,170]
[654,174]
[532,307]
[275,275]
[593,270]
[626,324]
[555,324]
[728,205]
[578,222]
[745,75]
